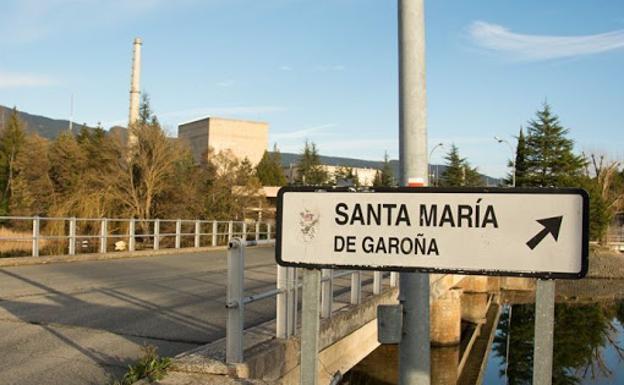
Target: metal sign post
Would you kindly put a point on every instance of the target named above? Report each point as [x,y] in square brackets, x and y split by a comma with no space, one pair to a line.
[544,332]
[414,348]
[310,326]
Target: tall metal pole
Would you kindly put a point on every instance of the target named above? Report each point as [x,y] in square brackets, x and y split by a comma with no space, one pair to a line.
[414,349]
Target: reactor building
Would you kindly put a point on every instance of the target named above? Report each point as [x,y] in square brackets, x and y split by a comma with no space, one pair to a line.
[244,138]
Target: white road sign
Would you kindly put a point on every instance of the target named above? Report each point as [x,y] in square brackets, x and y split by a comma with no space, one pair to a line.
[528,232]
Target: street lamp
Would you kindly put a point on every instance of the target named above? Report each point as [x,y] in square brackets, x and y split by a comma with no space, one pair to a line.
[435,174]
[513,159]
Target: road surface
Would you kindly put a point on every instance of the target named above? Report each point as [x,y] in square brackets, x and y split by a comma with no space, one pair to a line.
[85,322]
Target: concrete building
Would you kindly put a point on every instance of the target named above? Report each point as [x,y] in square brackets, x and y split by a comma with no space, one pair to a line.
[246,139]
[365,176]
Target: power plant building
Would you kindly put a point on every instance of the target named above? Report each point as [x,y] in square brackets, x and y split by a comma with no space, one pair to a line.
[245,139]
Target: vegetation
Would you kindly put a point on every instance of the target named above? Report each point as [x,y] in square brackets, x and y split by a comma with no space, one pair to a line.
[550,161]
[150,367]
[310,172]
[346,176]
[94,174]
[385,176]
[269,169]
[458,171]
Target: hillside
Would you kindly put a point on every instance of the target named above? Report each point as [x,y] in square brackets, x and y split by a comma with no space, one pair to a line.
[46,127]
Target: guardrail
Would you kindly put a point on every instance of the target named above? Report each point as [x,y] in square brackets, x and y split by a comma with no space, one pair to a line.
[70,236]
[287,292]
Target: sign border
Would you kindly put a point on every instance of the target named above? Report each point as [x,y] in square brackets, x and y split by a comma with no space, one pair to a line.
[443,190]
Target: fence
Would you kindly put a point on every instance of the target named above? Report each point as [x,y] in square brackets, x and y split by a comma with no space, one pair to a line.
[287,293]
[70,236]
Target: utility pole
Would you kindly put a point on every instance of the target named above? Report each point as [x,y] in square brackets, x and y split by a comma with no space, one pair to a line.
[414,349]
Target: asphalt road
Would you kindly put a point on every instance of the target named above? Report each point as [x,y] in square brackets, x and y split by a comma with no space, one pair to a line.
[85,322]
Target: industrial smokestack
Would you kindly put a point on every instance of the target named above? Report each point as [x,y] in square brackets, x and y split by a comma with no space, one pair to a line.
[135,92]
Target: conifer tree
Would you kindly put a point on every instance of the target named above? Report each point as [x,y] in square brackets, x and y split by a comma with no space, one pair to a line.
[310,172]
[269,169]
[458,171]
[550,161]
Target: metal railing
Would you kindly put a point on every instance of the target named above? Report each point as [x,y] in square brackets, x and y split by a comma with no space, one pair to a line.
[70,236]
[286,292]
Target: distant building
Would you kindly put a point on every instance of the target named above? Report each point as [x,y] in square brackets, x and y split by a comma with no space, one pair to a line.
[245,139]
[365,176]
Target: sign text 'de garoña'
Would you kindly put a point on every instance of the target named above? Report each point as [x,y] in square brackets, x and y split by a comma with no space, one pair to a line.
[529,232]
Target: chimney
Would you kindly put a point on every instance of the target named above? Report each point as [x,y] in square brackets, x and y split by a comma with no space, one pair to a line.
[135,92]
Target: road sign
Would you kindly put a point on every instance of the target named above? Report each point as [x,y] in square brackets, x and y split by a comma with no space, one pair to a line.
[498,231]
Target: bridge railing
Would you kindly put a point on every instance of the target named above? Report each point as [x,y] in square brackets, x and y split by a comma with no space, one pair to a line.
[286,292]
[35,236]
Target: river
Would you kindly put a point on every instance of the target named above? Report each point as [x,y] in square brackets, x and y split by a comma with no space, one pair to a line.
[588,349]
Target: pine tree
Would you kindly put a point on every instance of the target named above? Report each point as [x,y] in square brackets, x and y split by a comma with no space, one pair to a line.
[387,175]
[518,165]
[458,171]
[12,138]
[269,169]
[310,172]
[550,161]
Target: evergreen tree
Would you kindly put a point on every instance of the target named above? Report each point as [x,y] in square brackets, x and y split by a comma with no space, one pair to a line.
[269,169]
[519,166]
[12,138]
[310,172]
[549,158]
[387,175]
[458,171]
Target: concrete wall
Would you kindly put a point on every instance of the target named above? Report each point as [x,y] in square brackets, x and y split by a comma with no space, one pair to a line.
[245,139]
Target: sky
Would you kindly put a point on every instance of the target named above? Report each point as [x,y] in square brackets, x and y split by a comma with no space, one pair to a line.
[326,70]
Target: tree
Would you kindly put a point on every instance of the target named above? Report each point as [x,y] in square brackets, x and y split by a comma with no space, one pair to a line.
[310,172]
[12,138]
[149,169]
[550,161]
[385,176]
[519,165]
[346,176]
[458,171]
[269,169]
[32,191]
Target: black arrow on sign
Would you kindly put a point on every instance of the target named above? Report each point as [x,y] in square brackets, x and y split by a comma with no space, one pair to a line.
[551,226]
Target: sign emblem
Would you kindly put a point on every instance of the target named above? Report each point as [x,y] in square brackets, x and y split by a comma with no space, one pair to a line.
[308,224]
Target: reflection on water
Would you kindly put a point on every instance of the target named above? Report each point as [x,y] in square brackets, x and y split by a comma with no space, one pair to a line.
[588,349]
[589,345]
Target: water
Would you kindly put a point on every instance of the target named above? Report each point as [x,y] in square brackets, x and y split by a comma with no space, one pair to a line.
[589,345]
[588,349]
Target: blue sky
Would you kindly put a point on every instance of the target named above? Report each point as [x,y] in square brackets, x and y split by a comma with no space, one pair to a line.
[325,70]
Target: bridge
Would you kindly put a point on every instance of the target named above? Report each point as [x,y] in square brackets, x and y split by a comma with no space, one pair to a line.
[84,322]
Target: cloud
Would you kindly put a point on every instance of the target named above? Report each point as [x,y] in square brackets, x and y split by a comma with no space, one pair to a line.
[17,79]
[304,133]
[497,38]
[285,68]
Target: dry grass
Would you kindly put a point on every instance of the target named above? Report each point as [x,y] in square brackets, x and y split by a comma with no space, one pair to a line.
[19,246]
